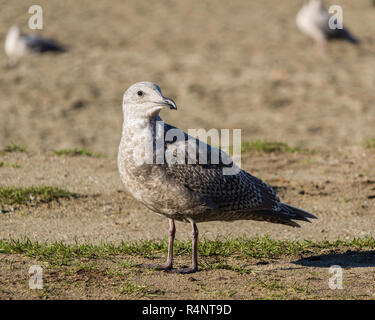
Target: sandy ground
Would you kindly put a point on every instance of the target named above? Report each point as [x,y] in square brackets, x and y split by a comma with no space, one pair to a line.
[234,65]
[298,278]
[227,65]
[338,187]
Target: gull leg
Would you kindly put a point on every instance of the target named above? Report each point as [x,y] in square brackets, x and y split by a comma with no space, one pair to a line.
[172,233]
[168,265]
[321,48]
[194,266]
[12,62]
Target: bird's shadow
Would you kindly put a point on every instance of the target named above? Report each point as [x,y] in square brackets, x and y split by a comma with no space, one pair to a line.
[349,259]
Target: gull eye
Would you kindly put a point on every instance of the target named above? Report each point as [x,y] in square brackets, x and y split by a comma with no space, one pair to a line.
[140,93]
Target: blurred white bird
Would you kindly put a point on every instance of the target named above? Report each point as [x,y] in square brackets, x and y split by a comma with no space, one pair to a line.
[313,20]
[18,44]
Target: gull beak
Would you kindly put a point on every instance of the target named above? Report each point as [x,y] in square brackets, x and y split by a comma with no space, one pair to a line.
[169,103]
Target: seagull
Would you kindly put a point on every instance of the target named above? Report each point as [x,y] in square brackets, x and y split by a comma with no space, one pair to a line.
[313,20]
[18,44]
[187,189]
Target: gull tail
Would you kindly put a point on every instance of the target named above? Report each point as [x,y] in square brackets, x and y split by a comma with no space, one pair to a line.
[41,45]
[343,34]
[296,213]
[286,215]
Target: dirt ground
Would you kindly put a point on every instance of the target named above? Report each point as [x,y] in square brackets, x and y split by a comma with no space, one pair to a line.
[337,186]
[299,278]
[227,65]
[234,65]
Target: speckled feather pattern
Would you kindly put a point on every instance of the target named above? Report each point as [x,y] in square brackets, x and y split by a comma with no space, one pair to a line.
[198,192]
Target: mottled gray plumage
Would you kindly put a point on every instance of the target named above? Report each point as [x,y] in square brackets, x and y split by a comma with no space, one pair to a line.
[189,192]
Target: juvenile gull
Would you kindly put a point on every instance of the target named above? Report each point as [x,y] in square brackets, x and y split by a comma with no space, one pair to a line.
[18,44]
[189,192]
[313,20]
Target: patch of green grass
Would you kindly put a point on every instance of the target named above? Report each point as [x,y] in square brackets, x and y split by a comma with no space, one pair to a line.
[116,272]
[76,153]
[345,200]
[370,144]
[224,266]
[215,292]
[32,195]
[58,253]
[15,148]
[271,285]
[267,147]
[11,165]
[276,289]
[127,265]
[129,287]
[22,213]
[308,161]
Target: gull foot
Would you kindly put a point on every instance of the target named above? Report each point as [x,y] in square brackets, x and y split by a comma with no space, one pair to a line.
[185,270]
[160,267]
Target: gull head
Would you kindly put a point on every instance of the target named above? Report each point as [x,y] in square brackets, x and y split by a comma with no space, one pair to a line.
[12,37]
[145,100]
[317,4]
[14,31]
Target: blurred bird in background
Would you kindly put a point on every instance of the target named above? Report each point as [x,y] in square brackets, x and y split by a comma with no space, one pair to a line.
[313,20]
[18,44]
